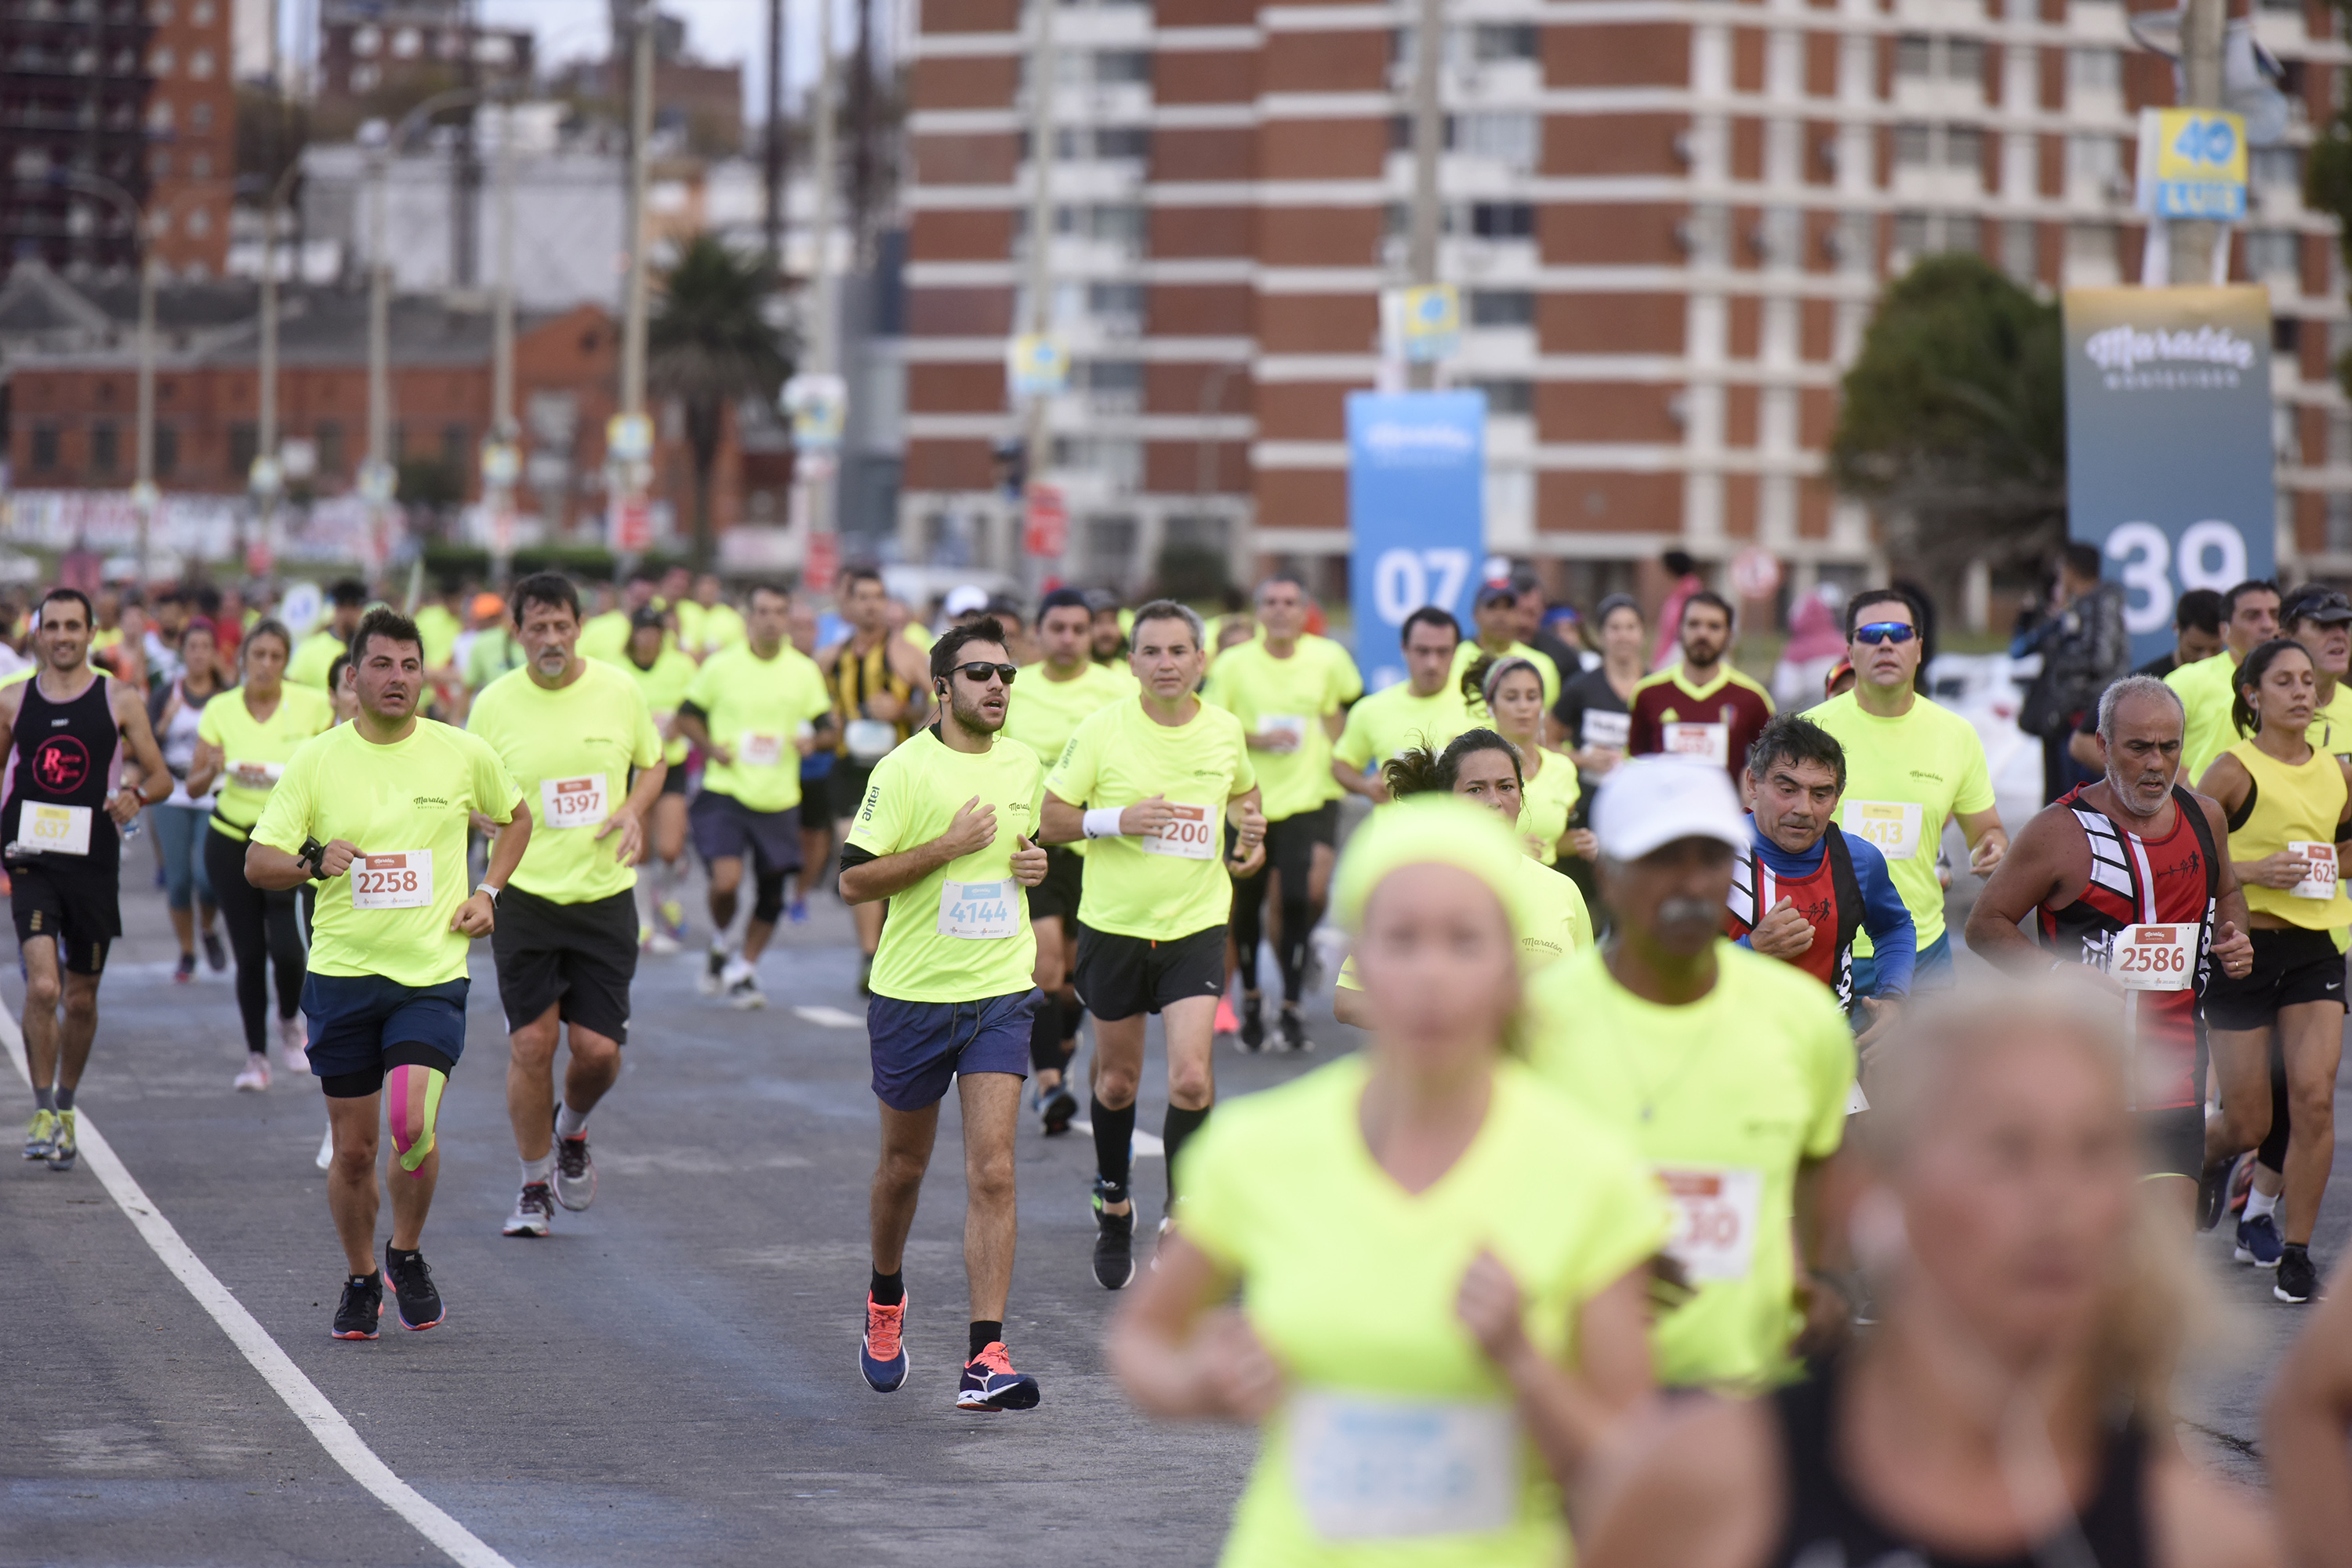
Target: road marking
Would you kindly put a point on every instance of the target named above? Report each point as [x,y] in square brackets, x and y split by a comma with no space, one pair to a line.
[829,1017]
[1147,1145]
[278,1369]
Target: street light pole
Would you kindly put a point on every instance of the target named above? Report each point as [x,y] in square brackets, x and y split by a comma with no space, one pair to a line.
[1428,150]
[1037,436]
[502,311]
[2202,25]
[821,167]
[641,131]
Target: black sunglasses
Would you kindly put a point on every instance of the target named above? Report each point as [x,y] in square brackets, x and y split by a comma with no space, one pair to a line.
[979,670]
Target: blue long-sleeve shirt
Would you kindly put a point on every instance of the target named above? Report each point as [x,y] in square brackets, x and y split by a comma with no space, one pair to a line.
[1893,939]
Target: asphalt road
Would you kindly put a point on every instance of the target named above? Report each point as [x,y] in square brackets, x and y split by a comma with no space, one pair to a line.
[668,1377]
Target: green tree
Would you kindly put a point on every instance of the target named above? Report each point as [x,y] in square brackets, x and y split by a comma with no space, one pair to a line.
[2327,188]
[709,345]
[1954,420]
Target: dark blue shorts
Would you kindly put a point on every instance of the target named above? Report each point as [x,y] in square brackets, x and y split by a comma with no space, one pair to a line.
[363,1025]
[920,1046]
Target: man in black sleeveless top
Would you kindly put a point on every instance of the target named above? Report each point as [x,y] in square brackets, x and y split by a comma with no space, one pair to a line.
[62,805]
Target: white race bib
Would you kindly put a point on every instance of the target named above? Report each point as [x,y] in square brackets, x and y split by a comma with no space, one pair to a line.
[255,775]
[1711,742]
[400,880]
[2154,957]
[1602,728]
[1890,826]
[2318,869]
[1716,1211]
[1192,835]
[869,739]
[1291,724]
[572,803]
[54,829]
[980,912]
[760,750]
[1372,1468]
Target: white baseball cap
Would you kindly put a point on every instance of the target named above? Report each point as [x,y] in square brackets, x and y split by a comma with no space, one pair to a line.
[963,600]
[1650,802]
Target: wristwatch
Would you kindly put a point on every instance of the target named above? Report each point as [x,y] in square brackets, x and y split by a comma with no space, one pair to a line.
[493,892]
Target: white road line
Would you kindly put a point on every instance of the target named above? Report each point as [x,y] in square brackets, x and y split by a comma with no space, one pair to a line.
[278,1369]
[1147,1145]
[829,1017]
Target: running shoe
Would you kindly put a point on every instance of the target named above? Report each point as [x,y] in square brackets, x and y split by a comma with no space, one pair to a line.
[797,911]
[669,919]
[255,1075]
[411,1278]
[2212,1192]
[660,943]
[534,1212]
[1114,1237]
[293,1044]
[327,1147]
[216,955]
[1294,1031]
[714,966]
[2297,1281]
[41,1136]
[360,1310]
[743,993]
[62,1149]
[575,1173]
[2259,1242]
[1253,1024]
[882,1350]
[1227,1023]
[187,970]
[1055,1107]
[991,1384]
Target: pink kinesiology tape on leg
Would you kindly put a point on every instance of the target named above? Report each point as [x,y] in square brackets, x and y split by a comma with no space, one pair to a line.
[412,1104]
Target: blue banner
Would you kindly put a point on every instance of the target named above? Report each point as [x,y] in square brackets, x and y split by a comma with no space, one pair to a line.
[2168,461]
[1417,510]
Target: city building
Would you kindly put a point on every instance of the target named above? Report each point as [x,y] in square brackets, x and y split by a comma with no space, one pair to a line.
[73,94]
[371,46]
[1670,223]
[192,133]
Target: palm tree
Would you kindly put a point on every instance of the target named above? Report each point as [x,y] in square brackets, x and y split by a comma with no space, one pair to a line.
[708,345]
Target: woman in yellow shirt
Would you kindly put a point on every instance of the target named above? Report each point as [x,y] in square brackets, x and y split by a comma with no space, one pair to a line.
[1441,1263]
[2287,802]
[1512,689]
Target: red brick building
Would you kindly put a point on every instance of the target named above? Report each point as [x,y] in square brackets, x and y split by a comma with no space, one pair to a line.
[192,129]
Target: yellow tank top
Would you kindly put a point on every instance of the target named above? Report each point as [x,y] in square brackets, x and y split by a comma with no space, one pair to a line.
[2291,805]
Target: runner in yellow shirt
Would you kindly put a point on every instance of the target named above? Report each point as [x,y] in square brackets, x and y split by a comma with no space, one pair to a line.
[1511,688]
[1424,709]
[570,730]
[317,648]
[1495,616]
[1151,784]
[662,675]
[2250,617]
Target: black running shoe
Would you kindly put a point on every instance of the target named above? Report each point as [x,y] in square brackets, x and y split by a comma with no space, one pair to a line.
[1114,1237]
[412,1286]
[2213,1191]
[2298,1280]
[215,956]
[1253,1024]
[1294,1031]
[1060,1105]
[362,1305]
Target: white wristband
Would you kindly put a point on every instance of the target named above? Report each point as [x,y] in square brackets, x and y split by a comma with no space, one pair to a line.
[1102,821]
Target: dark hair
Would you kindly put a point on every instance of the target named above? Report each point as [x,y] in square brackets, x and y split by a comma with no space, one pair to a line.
[853,576]
[2200,609]
[1869,596]
[952,642]
[1001,606]
[1481,670]
[2250,677]
[2082,558]
[645,572]
[1428,616]
[387,623]
[347,593]
[335,668]
[1800,739]
[1064,599]
[1709,597]
[1418,770]
[88,611]
[1172,610]
[1614,603]
[2239,591]
[1679,562]
[268,626]
[552,589]
[201,624]
[768,586]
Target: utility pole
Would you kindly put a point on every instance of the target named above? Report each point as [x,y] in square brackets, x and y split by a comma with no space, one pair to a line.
[825,331]
[1428,149]
[144,497]
[502,312]
[466,183]
[861,134]
[2202,25]
[379,411]
[771,175]
[641,133]
[1038,438]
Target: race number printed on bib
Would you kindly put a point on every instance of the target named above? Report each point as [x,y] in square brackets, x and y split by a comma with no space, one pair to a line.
[400,880]
[2154,957]
[1291,724]
[54,829]
[1891,825]
[255,775]
[979,911]
[1602,728]
[1369,1469]
[869,739]
[573,803]
[760,750]
[1190,836]
[1711,742]
[1716,1210]
[2318,869]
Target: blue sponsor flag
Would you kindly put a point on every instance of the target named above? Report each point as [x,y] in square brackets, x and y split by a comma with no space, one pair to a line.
[1417,510]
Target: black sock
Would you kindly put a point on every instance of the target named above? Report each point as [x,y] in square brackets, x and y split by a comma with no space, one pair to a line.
[1114,1130]
[45,1099]
[1045,1036]
[984,1334]
[889,1289]
[65,1099]
[1072,1011]
[1180,1125]
[391,1251]
[2302,1247]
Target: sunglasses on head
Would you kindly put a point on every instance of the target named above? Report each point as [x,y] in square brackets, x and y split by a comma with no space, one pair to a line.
[1885,631]
[979,670]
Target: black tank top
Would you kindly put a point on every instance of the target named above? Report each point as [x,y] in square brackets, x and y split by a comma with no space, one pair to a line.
[66,753]
[1829,1527]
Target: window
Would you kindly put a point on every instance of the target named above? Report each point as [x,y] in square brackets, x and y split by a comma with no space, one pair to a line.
[200,65]
[1503,220]
[2276,167]
[1110,375]
[105,446]
[1911,234]
[1914,144]
[1964,59]
[200,222]
[1121,223]
[1115,301]
[2094,157]
[2095,70]
[200,118]
[1963,232]
[1510,138]
[167,450]
[244,443]
[2270,253]
[45,448]
[1511,398]
[329,435]
[2019,258]
[1505,41]
[1914,55]
[365,41]
[1114,68]
[159,163]
[1963,147]
[1502,307]
[160,63]
[406,43]
[1122,142]
[200,15]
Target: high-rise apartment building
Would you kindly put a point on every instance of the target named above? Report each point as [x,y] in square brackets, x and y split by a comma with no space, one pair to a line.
[1670,220]
[192,132]
[73,95]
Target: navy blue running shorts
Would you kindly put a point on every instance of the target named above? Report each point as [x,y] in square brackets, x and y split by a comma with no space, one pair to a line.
[362,1025]
[919,1047]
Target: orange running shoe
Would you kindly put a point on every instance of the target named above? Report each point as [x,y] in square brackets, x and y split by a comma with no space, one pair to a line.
[991,1384]
[882,1354]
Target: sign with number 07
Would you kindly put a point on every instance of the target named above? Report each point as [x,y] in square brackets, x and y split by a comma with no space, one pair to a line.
[1416,508]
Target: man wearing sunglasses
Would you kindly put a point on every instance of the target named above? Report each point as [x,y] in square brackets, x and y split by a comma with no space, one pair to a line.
[947,833]
[1911,766]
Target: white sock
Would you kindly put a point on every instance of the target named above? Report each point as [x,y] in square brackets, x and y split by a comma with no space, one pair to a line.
[539,1170]
[2259,1202]
[645,901]
[570,1124]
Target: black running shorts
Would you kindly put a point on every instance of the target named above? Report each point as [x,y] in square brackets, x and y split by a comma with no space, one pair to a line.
[79,908]
[2172,1141]
[576,958]
[2290,966]
[1119,976]
[1057,895]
